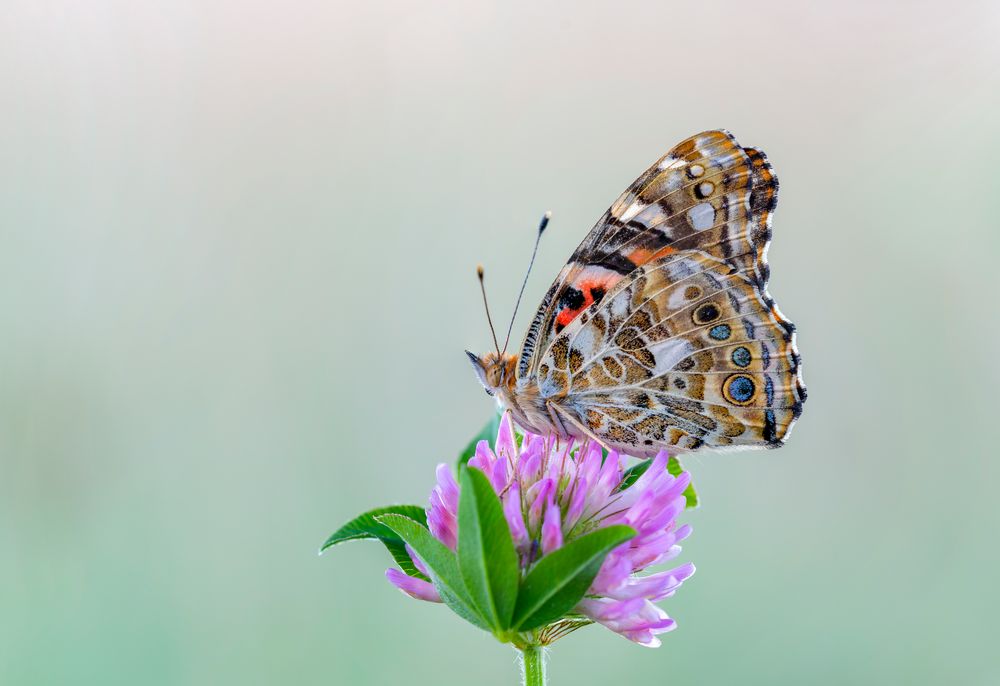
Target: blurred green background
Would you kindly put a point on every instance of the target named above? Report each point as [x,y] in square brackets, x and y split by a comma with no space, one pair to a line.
[237,243]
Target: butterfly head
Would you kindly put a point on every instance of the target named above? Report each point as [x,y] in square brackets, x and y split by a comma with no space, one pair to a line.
[495,371]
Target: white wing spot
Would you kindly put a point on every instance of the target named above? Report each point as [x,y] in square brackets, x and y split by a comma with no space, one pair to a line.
[706,188]
[632,210]
[702,216]
[586,342]
[677,300]
[696,170]
[619,306]
[669,352]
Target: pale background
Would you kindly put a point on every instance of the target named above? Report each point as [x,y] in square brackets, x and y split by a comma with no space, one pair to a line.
[237,250]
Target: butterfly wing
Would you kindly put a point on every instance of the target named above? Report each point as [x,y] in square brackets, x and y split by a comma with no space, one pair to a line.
[683,353]
[659,332]
[707,193]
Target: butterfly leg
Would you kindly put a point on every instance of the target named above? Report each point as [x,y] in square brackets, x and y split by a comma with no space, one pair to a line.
[554,409]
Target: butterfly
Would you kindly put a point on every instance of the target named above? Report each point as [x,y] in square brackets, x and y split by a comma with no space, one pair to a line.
[659,332]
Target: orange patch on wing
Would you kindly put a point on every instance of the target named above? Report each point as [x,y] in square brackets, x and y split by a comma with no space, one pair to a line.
[566,316]
[641,256]
[588,287]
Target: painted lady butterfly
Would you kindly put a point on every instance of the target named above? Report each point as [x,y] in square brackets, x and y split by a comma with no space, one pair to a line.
[659,331]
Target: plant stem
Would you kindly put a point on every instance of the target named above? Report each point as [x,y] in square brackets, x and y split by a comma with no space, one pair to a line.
[533,665]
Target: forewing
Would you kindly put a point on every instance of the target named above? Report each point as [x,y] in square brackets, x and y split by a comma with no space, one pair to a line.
[708,193]
[684,353]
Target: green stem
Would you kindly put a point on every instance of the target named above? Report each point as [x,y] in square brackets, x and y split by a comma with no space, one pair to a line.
[533,665]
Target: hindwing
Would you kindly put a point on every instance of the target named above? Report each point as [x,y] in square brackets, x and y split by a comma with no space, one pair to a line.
[683,353]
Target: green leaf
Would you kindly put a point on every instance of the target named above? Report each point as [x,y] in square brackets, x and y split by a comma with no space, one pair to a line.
[488,433]
[486,555]
[632,474]
[441,563]
[690,495]
[560,579]
[367,527]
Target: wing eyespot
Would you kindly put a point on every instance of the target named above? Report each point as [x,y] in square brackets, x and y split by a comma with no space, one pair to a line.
[741,357]
[706,314]
[739,389]
[720,332]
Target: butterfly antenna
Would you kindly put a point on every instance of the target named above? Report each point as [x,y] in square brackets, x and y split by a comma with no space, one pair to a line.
[541,228]
[489,319]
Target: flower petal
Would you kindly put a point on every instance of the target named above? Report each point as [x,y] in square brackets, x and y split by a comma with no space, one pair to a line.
[483,459]
[637,620]
[653,586]
[412,586]
[577,502]
[417,562]
[529,467]
[512,513]
[552,535]
[499,475]
[506,444]
[536,496]
[443,526]
[447,487]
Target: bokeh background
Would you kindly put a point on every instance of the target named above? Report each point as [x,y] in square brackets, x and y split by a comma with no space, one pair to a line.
[237,243]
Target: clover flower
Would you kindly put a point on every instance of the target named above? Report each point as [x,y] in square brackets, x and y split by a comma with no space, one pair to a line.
[554,492]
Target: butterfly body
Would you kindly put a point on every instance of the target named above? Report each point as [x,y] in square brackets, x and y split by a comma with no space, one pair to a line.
[659,333]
